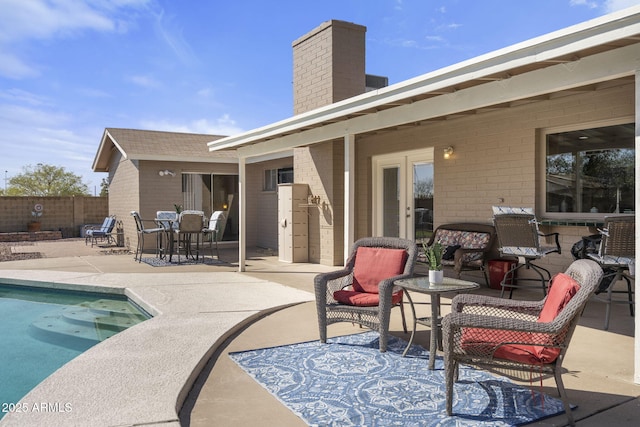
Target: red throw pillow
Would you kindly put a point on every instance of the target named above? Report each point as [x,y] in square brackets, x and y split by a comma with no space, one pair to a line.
[561,290]
[373,265]
[363,299]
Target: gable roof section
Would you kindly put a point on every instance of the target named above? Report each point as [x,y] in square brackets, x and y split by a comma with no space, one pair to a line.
[136,144]
[532,70]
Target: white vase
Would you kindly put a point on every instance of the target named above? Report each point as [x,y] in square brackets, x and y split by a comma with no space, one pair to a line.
[436,277]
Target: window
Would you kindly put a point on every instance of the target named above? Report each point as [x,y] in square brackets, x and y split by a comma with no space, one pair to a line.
[273,177]
[591,170]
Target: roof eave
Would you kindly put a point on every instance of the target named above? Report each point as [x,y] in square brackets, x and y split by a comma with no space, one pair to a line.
[596,32]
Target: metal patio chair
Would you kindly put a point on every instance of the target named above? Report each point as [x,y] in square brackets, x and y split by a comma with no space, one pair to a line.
[616,252]
[190,223]
[103,232]
[518,236]
[142,231]
[215,230]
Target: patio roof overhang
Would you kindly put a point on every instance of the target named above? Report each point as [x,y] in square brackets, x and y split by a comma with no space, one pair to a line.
[584,57]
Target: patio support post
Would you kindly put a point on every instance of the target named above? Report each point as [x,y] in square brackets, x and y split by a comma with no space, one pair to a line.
[242,238]
[636,353]
[349,193]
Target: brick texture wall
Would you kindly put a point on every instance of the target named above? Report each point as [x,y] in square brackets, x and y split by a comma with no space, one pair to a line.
[64,214]
[328,65]
[498,156]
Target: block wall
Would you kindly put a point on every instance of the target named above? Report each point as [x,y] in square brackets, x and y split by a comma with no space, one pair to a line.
[66,215]
[321,168]
[497,158]
[328,65]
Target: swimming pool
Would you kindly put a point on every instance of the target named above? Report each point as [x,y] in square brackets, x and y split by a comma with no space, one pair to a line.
[42,329]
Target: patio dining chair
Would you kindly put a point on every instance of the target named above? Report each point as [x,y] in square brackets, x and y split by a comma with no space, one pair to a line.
[363,291]
[510,336]
[190,223]
[519,236]
[169,221]
[215,230]
[616,253]
[142,231]
[103,232]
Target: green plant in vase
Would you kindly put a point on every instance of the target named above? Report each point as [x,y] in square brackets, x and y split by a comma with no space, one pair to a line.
[433,254]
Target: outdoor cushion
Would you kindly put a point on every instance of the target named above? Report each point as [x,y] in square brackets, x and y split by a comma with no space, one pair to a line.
[373,265]
[562,289]
[363,299]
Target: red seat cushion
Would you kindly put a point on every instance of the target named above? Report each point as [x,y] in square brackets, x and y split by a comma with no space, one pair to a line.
[562,289]
[363,299]
[373,265]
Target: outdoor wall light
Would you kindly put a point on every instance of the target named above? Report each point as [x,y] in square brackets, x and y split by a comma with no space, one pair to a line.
[448,152]
[166,172]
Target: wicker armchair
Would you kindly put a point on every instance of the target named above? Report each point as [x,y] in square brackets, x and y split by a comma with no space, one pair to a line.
[369,257]
[518,236]
[522,336]
[617,251]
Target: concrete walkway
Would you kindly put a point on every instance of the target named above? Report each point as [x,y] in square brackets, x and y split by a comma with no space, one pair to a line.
[174,369]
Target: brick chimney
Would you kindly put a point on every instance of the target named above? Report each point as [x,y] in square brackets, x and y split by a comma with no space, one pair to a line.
[328,65]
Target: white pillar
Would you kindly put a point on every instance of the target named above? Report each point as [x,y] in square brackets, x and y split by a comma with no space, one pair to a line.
[242,238]
[349,193]
[636,354]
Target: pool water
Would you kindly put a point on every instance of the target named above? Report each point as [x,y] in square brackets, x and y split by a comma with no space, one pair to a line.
[42,329]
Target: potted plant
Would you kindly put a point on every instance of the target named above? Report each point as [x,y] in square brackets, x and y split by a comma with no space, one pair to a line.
[36,213]
[434,260]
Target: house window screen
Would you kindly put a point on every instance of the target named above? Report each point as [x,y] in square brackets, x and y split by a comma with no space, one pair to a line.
[591,170]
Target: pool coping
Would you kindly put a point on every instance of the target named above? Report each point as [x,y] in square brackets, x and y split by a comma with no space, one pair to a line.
[143,375]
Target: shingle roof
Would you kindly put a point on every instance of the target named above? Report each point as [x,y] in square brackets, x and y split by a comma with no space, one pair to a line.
[135,144]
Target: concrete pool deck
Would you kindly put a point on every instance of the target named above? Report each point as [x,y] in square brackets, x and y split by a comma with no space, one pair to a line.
[142,375]
[174,369]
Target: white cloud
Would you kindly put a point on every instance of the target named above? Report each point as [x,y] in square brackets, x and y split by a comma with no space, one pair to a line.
[36,135]
[39,19]
[23,21]
[144,81]
[223,125]
[614,5]
[15,68]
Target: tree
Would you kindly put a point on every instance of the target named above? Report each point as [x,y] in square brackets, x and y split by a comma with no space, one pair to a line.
[46,180]
[104,187]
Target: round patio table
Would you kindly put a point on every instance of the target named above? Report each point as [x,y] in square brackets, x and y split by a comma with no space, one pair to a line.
[422,285]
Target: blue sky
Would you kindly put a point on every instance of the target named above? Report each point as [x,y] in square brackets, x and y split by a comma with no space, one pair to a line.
[70,68]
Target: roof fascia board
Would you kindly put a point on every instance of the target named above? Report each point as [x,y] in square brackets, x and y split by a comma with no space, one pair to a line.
[174,158]
[271,156]
[560,43]
[106,136]
[593,69]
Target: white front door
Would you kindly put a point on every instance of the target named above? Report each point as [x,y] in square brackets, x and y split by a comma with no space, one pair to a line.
[403,194]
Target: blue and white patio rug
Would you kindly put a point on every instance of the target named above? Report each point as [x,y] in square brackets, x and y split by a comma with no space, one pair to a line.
[348,382]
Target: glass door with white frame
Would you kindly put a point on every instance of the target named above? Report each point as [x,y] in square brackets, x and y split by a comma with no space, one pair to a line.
[403,195]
